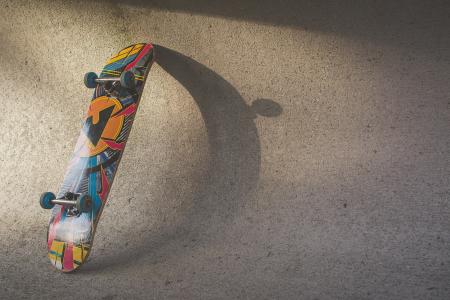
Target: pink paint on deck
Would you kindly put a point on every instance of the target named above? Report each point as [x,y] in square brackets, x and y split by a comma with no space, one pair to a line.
[127,111]
[52,229]
[138,58]
[68,257]
[114,145]
[105,187]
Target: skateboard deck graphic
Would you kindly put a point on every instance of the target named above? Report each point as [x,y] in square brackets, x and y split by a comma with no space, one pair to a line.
[96,156]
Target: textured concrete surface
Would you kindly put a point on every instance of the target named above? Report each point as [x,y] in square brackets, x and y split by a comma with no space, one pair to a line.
[282,150]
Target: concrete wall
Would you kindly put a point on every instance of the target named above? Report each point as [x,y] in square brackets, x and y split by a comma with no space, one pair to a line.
[282,150]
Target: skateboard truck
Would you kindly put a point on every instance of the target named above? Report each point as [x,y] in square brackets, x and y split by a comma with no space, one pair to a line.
[126,80]
[83,203]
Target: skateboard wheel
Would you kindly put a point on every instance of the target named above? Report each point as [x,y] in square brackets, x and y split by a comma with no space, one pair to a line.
[127,80]
[90,80]
[46,200]
[84,203]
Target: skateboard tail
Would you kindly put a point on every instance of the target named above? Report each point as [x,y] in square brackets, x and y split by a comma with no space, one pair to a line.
[67,257]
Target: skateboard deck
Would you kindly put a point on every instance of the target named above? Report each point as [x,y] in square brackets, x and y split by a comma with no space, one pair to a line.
[97,156]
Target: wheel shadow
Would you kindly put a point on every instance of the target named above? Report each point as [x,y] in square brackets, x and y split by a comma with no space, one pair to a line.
[234,163]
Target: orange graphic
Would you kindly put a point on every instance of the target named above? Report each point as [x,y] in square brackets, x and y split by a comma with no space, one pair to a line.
[107,129]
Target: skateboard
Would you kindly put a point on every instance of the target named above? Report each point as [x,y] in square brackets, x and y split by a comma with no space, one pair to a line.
[77,207]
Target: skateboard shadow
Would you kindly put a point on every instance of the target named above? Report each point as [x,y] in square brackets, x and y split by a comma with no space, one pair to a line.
[234,165]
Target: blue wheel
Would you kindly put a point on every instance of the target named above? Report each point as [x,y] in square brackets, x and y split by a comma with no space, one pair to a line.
[46,200]
[89,80]
[84,203]
[127,80]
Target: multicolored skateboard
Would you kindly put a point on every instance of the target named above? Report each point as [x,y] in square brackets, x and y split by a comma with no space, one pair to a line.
[77,207]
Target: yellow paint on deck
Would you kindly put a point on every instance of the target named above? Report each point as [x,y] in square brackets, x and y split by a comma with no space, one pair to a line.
[125,54]
[111,73]
[129,48]
[58,248]
[125,50]
[79,254]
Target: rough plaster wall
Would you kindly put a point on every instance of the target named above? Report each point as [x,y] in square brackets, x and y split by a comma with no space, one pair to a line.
[288,150]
